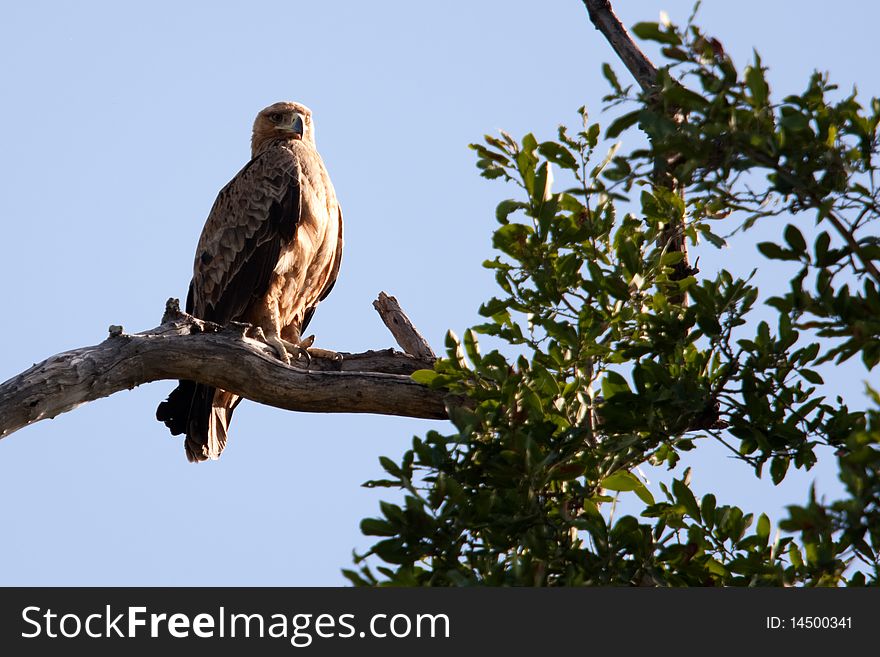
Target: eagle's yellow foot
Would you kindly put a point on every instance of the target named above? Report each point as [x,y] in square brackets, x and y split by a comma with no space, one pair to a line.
[280,348]
[291,352]
[300,350]
[278,345]
[308,351]
[325,353]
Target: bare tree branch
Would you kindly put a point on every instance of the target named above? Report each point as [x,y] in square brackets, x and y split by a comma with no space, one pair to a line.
[407,336]
[184,347]
[603,17]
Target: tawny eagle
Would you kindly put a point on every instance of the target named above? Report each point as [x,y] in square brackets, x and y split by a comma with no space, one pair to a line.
[268,254]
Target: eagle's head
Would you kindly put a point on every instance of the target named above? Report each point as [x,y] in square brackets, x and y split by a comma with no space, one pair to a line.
[285,120]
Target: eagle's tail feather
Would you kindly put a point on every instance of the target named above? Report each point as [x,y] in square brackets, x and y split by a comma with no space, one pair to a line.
[175,410]
[219,417]
[203,414]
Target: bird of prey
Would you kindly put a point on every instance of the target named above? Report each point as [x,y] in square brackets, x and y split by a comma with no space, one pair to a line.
[268,254]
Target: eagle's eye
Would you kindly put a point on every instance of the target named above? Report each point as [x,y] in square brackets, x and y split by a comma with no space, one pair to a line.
[275,117]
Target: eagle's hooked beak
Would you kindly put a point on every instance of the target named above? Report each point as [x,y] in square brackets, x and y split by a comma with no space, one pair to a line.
[296,126]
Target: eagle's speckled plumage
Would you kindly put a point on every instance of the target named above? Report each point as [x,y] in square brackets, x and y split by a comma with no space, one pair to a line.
[269,252]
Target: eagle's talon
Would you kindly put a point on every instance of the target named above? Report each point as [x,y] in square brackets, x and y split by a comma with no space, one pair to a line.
[280,348]
[297,351]
[300,352]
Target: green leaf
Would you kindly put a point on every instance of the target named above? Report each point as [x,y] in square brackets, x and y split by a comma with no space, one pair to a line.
[493,172]
[713,239]
[355,578]
[812,376]
[472,346]
[531,401]
[624,481]
[381,483]
[621,480]
[493,307]
[376,527]
[657,124]
[622,123]
[652,32]
[795,239]
[671,52]
[775,252]
[756,83]
[390,550]
[707,509]
[793,120]
[608,157]
[673,258]
[823,241]
[558,154]
[425,377]
[629,256]
[644,495]
[505,208]
[763,528]
[686,99]
[511,238]
[778,468]
[685,497]
[390,466]
[717,568]
[614,384]
[611,76]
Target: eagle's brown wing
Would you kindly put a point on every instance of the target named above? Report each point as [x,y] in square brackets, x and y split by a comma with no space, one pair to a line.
[253,220]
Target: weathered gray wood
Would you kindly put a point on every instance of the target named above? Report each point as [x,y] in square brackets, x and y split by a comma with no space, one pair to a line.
[183,347]
[407,336]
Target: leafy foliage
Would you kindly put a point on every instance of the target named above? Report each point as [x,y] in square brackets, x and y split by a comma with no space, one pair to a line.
[601,365]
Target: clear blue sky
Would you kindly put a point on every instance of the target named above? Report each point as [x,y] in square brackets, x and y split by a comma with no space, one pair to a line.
[119,124]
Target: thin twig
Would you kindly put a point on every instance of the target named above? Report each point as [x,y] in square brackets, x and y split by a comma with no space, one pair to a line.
[408,337]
